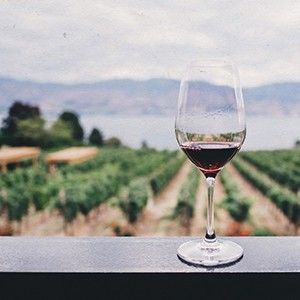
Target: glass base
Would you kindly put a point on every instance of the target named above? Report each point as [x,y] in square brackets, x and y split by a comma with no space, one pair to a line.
[210,253]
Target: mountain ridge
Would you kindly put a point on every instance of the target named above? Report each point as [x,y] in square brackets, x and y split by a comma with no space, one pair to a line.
[155,96]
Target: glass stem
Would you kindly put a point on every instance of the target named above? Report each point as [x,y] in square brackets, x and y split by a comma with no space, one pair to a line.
[210,230]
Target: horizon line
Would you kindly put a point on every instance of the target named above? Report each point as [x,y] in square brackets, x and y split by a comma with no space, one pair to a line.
[130,79]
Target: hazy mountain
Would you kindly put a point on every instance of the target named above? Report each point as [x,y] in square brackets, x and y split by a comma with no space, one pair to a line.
[279,98]
[154,96]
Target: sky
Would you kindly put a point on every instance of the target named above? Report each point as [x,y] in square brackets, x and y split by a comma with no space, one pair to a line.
[88,41]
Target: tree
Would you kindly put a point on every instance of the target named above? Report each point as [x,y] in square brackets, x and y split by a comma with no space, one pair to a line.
[73,121]
[30,132]
[60,134]
[23,125]
[113,142]
[144,144]
[18,111]
[96,137]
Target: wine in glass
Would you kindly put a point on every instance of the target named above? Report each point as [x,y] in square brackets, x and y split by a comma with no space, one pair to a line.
[210,129]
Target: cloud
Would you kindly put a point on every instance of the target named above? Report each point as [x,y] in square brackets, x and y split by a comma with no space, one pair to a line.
[86,41]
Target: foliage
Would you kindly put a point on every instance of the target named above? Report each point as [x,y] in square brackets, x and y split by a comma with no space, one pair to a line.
[288,202]
[127,175]
[96,137]
[80,188]
[23,125]
[144,145]
[135,199]
[72,120]
[119,167]
[160,179]
[80,193]
[60,133]
[262,232]
[18,111]
[237,205]
[21,187]
[187,196]
[113,142]
[282,166]
[18,200]
[30,132]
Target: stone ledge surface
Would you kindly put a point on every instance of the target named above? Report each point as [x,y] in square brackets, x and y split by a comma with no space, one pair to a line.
[139,254]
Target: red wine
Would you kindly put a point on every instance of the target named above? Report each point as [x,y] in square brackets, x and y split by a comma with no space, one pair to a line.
[210,157]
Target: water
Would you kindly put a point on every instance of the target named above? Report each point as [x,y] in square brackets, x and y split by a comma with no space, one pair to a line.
[262,132]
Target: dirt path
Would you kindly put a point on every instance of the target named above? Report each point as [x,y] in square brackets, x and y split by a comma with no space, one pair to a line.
[102,221]
[264,214]
[42,223]
[155,220]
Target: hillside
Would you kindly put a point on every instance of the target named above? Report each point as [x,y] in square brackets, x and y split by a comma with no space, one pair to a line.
[154,96]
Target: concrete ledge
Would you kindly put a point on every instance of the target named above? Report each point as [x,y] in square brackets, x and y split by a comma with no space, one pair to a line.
[143,268]
[138,255]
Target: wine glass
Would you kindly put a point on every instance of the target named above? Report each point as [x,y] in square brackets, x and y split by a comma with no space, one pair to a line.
[210,129]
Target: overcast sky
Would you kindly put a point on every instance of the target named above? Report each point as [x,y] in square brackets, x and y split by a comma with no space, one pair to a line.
[86,41]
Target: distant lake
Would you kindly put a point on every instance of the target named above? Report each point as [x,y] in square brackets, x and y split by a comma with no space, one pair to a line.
[262,132]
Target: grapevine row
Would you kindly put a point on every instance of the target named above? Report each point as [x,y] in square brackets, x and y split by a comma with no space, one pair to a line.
[187,196]
[77,188]
[138,193]
[85,191]
[161,178]
[285,200]
[278,169]
[237,205]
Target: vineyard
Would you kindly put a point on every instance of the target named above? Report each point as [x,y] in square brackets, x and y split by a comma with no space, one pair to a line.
[150,192]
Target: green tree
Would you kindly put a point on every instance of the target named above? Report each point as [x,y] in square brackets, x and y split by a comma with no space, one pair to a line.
[60,134]
[144,144]
[96,137]
[72,120]
[21,112]
[113,142]
[30,132]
